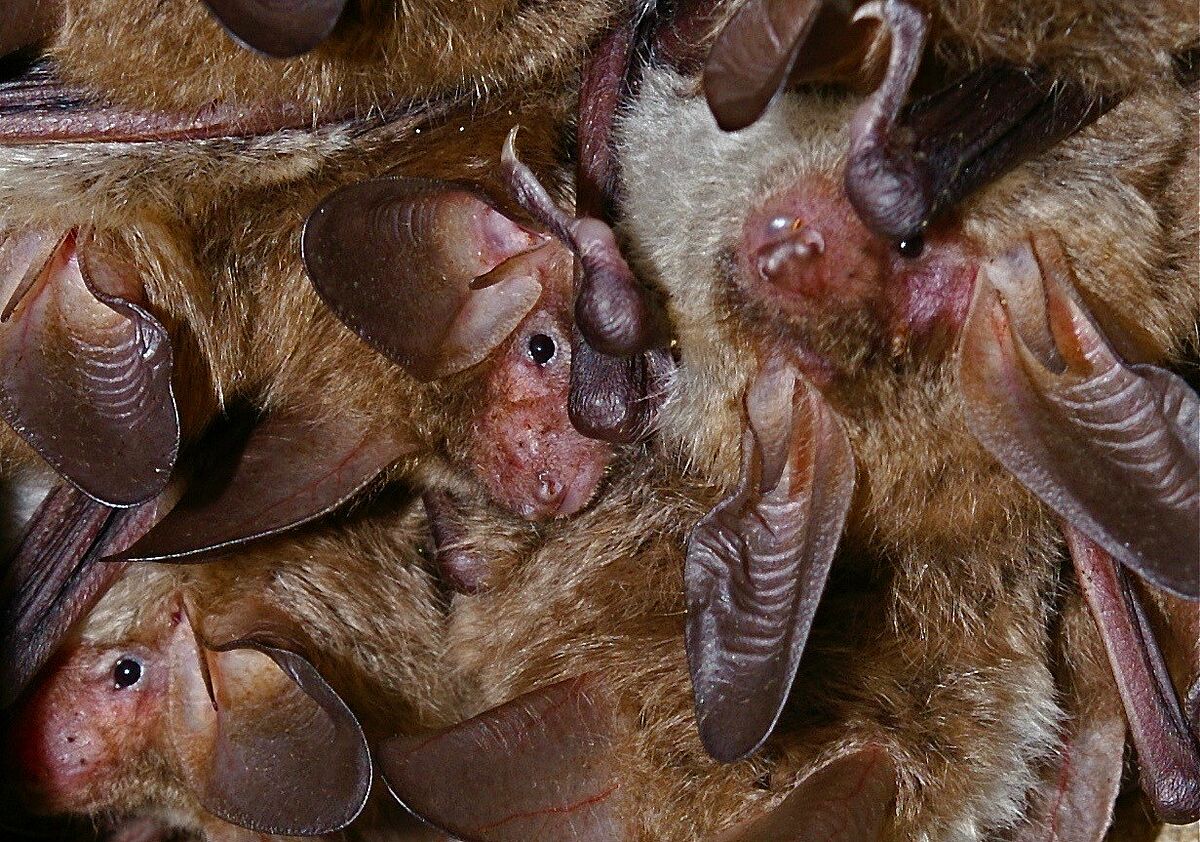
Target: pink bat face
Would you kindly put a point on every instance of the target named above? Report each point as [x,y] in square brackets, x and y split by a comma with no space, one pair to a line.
[807,263]
[459,287]
[524,447]
[173,720]
[95,712]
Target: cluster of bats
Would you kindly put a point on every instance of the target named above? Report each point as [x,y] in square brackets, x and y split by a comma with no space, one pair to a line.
[721,420]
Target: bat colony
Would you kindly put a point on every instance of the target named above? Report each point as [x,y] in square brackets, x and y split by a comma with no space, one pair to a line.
[721,420]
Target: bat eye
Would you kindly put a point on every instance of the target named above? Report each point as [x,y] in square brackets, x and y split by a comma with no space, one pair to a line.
[911,247]
[541,348]
[126,673]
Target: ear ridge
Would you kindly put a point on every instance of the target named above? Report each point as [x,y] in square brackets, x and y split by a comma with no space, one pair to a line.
[85,369]
[397,260]
[275,749]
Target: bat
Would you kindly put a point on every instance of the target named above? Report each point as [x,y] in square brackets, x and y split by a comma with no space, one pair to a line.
[240,697]
[222,282]
[315,60]
[573,661]
[834,379]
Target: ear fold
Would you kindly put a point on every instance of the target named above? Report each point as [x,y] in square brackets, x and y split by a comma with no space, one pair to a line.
[289,469]
[760,50]
[1168,751]
[278,28]
[1114,449]
[85,370]
[1074,799]
[537,769]
[402,261]
[756,564]
[263,741]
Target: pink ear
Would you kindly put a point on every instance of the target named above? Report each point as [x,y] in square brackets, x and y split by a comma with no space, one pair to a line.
[86,370]
[1074,800]
[1112,448]
[756,564]
[262,739]
[428,272]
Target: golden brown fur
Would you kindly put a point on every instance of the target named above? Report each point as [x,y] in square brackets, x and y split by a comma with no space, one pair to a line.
[1106,44]
[603,592]
[384,52]
[971,559]
[215,226]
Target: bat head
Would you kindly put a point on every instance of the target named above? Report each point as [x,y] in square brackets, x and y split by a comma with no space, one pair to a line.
[167,715]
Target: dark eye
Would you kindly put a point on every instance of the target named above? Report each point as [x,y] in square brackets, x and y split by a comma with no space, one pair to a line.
[541,348]
[126,673]
[911,247]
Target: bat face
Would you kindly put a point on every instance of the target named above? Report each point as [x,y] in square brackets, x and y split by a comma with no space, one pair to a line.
[524,447]
[863,316]
[842,359]
[91,718]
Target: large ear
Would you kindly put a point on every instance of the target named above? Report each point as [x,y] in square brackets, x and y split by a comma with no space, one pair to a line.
[906,165]
[287,470]
[1074,799]
[263,741]
[611,308]
[85,370]
[536,769]
[1167,749]
[756,564]
[849,799]
[57,574]
[278,28]
[1114,449]
[768,43]
[430,273]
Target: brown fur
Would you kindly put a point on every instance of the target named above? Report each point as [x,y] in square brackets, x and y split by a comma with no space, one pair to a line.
[972,560]
[215,229]
[1106,44]
[603,592]
[384,53]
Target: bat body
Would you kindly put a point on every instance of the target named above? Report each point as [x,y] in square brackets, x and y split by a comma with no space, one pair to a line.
[219,264]
[762,256]
[379,55]
[601,595]
[1108,46]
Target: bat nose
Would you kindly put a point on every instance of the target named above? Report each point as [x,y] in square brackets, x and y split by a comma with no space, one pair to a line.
[807,245]
[787,259]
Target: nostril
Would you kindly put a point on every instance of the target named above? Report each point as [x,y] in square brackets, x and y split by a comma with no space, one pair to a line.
[789,251]
[549,489]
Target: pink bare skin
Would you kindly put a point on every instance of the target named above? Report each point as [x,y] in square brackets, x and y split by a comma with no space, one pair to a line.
[524,447]
[96,709]
[808,261]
